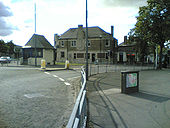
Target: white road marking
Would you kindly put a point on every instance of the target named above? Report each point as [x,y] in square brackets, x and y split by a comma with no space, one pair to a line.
[34,95]
[55,76]
[61,79]
[74,77]
[47,73]
[67,83]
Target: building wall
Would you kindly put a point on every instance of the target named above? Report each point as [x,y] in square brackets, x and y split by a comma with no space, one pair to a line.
[97,45]
[48,55]
[31,61]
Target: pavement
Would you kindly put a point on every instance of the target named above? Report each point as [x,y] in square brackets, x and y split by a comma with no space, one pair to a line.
[48,67]
[148,108]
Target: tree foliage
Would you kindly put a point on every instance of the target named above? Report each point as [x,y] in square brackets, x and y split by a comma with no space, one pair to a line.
[7,48]
[152,27]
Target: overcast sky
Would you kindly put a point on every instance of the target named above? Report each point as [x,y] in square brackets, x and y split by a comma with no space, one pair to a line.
[57,16]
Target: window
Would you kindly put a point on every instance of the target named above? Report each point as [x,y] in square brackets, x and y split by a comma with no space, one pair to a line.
[107,43]
[62,43]
[73,43]
[107,55]
[74,55]
[62,54]
[89,43]
[80,55]
[100,55]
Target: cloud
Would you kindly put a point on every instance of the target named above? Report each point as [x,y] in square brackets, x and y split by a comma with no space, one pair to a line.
[4,10]
[125,3]
[5,27]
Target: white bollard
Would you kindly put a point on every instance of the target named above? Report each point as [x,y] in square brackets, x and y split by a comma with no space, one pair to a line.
[67,64]
[43,65]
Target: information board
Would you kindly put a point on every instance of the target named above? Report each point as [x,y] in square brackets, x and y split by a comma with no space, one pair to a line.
[131,80]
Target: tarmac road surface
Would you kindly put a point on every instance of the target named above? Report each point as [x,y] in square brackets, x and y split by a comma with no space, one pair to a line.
[32,98]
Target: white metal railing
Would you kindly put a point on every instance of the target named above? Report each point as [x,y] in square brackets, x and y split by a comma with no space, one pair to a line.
[78,116]
[96,69]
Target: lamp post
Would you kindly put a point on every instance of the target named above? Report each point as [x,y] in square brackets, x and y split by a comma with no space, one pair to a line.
[100,47]
[35,36]
[86,43]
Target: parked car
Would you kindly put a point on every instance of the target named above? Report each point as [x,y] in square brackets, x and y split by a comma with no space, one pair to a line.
[4,59]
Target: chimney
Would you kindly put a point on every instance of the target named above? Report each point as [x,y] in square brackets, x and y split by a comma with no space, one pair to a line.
[125,39]
[56,37]
[112,31]
[80,26]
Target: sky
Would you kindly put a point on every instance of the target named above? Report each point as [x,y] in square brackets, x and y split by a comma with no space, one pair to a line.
[17,17]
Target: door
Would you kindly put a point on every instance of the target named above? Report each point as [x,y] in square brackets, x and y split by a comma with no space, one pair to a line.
[93,57]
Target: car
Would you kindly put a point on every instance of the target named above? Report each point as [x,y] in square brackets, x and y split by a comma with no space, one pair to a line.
[4,59]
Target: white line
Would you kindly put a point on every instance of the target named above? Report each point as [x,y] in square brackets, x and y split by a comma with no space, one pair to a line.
[55,76]
[47,73]
[61,79]
[74,77]
[67,83]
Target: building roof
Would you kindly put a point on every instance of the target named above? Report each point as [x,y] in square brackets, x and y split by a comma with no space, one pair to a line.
[40,41]
[93,32]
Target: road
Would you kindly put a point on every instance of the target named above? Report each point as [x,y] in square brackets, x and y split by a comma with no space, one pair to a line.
[32,98]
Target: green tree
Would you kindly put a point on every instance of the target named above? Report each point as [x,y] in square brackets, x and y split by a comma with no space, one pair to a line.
[10,46]
[3,47]
[153,25]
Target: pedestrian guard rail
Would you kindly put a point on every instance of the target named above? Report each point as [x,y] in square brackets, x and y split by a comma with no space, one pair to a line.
[78,116]
[96,69]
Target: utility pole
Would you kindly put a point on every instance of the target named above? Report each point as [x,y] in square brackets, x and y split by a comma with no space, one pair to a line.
[86,42]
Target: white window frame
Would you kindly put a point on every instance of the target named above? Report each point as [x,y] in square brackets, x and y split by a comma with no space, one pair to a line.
[107,40]
[89,43]
[62,43]
[73,43]
[75,55]
[63,54]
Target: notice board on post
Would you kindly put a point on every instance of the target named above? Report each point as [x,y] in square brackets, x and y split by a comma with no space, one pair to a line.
[129,81]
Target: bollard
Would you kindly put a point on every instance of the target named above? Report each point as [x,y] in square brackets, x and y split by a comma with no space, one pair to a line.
[43,65]
[67,64]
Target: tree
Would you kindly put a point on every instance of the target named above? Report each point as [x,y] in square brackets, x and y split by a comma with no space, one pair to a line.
[7,48]
[11,46]
[3,47]
[153,25]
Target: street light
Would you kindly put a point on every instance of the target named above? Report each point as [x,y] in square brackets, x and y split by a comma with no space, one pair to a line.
[35,36]
[86,43]
[100,47]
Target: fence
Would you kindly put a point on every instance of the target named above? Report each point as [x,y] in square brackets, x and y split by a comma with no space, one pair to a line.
[95,69]
[78,116]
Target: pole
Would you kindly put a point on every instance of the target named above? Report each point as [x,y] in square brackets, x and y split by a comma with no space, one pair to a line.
[35,15]
[156,61]
[100,48]
[86,42]
[35,36]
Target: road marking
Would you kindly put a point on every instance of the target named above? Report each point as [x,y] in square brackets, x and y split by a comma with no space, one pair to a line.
[61,79]
[34,95]
[67,83]
[55,76]
[74,77]
[47,73]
